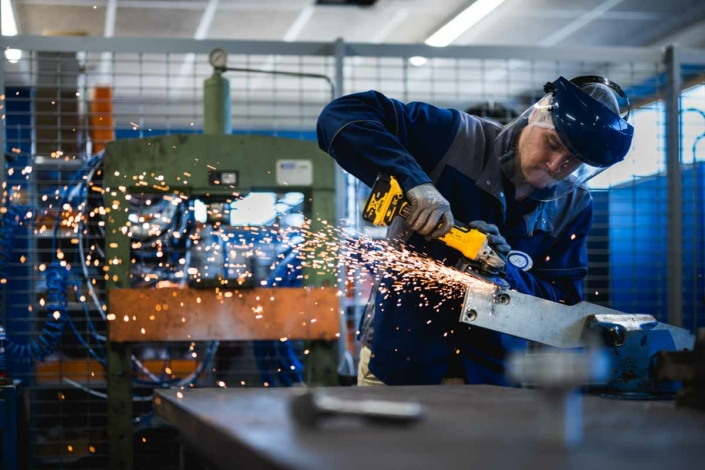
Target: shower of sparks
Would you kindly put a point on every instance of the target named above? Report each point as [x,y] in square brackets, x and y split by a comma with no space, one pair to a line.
[325,250]
[312,251]
[329,249]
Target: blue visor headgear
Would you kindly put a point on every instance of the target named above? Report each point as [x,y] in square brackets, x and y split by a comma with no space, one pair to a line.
[590,130]
[582,114]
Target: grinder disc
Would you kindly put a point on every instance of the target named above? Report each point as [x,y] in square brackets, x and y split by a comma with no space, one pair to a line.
[495,279]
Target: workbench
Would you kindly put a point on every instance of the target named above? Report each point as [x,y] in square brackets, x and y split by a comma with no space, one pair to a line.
[463,427]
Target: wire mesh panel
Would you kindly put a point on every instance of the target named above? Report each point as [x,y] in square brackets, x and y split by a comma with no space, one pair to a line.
[626,246]
[61,109]
[693,154]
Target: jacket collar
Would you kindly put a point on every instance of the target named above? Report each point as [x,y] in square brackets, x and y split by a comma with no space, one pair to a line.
[491,180]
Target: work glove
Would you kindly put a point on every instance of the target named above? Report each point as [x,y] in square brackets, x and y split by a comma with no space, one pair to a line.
[494,239]
[428,208]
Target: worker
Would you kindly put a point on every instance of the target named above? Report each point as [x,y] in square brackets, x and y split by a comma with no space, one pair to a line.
[523,184]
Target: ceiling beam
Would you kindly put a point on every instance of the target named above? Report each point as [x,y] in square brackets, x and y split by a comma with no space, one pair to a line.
[206,20]
[579,23]
[620,15]
[390,25]
[291,34]
[299,23]
[500,73]
[552,39]
[667,31]
[690,36]
[240,5]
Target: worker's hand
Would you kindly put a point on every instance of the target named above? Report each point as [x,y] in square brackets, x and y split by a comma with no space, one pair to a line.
[428,208]
[494,239]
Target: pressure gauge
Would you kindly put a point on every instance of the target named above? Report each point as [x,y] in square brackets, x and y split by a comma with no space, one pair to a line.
[218,58]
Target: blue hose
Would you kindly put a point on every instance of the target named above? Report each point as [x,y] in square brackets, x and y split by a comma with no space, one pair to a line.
[58,281]
[57,316]
[11,222]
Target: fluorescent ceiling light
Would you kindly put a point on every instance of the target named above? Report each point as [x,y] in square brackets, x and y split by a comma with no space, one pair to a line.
[456,27]
[461,23]
[298,25]
[9,28]
[417,60]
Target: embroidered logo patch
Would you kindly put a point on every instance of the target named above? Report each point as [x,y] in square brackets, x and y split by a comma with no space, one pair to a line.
[520,259]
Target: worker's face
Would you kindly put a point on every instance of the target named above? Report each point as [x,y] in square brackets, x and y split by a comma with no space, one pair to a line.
[543,158]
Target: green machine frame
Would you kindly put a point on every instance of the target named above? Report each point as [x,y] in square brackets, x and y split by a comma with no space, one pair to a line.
[192,166]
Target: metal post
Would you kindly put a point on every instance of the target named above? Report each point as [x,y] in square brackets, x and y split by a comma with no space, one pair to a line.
[119,362]
[3,189]
[3,111]
[341,194]
[673,181]
[339,67]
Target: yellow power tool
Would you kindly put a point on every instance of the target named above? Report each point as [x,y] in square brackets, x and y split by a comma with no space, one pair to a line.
[387,201]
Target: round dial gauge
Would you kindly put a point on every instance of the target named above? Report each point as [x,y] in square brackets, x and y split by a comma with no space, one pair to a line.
[218,58]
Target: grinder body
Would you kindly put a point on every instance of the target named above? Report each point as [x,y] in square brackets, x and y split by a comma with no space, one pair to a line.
[387,201]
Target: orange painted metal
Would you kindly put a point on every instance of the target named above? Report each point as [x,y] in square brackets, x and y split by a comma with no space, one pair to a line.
[203,315]
[91,372]
[101,117]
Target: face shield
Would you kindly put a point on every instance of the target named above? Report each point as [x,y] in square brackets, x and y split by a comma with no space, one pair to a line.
[570,135]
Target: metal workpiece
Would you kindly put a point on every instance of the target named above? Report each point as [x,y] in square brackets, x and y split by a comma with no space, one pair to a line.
[557,324]
[632,340]
[473,426]
[550,323]
[310,407]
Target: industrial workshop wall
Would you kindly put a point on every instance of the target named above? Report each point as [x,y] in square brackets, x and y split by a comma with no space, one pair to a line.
[64,101]
[65,97]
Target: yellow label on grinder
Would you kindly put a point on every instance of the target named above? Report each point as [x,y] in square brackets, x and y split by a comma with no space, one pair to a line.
[466,240]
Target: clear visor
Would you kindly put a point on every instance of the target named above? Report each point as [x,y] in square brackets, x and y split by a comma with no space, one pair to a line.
[538,162]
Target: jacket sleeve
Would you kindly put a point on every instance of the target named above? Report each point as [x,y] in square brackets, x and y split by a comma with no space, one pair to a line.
[368,133]
[560,275]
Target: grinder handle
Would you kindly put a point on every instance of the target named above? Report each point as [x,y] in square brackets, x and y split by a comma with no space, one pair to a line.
[468,241]
[387,200]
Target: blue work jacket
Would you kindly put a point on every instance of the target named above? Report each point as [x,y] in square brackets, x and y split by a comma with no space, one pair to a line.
[413,342]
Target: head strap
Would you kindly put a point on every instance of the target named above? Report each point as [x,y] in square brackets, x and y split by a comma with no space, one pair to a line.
[581,81]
